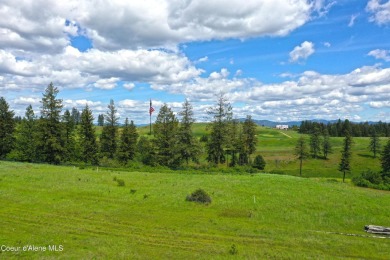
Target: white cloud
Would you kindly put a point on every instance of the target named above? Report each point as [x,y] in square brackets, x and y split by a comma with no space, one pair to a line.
[380,54]
[352,20]
[203,59]
[109,83]
[380,11]
[302,52]
[129,86]
[380,104]
[45,26]
[94,68]
[327,44]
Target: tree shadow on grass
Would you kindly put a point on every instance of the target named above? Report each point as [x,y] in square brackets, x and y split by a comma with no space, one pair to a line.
[366,155]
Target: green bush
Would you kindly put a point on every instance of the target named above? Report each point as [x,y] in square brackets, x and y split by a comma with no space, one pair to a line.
[199,196]
[371,176]
[259,162]
[120,182]
[371,179]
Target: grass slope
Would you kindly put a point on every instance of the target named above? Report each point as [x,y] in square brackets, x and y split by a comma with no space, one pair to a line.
[263,216]
[277,148]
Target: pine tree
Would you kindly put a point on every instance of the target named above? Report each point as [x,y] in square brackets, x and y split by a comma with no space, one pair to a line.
[385,162]
[7,127]
[146,151]
[315,142]
[128,142]
[249,138]
[87,139]
[25,138]
[301,152]
[100,120]
[76,116]
[108,139]
[69,127]
[188,146]
[345,163]
[259,162]
[375,144]
[166,136]
[235,142]
[51,141]
[326,145]
[222,116]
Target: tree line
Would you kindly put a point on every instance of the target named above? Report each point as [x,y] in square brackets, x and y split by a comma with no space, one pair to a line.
[57,137]
[337,129]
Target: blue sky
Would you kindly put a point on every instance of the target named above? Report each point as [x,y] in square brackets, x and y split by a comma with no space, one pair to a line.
[273,59]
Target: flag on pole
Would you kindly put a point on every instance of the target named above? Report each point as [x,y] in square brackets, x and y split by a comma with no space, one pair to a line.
[151,109]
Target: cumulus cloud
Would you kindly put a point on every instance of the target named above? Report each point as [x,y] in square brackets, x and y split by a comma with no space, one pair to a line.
[380,11]
[129,86]
[310,95]
[95,68]
[115,24]
[38,26]
[380,54]
[302,52]
[205,89]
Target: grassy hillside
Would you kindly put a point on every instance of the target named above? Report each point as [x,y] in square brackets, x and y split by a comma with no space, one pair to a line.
[263,216]
[277,148]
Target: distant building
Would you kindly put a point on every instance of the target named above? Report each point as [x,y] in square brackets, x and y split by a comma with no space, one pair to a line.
[282,127]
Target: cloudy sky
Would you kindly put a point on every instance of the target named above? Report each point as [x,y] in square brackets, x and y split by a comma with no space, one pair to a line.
[273,59]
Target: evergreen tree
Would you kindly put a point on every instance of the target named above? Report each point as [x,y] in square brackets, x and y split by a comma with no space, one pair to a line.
[128,142]
[235,142]
[315,142]
[87,138]
[100,120]
[374,143]
[69,127]
[146,151]
[259,162]
[76,116]
[7,127]
[51,141]
[108,139]
[249,138]
[385,162]
[345,163]
[166,137]
[301,152]
[188,146]
[326,145]
[219,136]
[25,138]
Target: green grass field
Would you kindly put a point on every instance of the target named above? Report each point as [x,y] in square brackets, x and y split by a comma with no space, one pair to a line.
[263,216]
[277,148]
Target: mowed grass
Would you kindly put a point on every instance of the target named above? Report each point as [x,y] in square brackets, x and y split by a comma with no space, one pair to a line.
[278,146]
[263,216]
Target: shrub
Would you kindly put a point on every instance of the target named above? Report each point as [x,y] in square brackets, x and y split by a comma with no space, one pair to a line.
[259,162]
[204,139]
[120,182]
[233,250]
[199,196]
[371,176]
